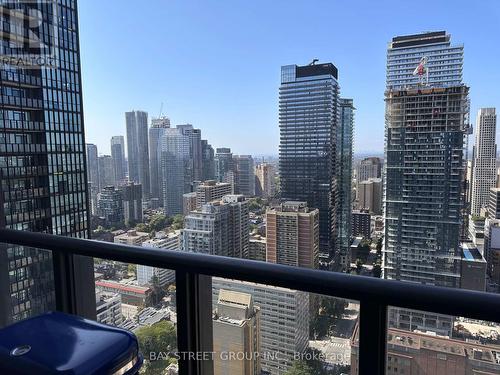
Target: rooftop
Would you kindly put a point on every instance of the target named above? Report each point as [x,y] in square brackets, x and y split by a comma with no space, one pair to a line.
[123,287]
[419,39]
[470,252]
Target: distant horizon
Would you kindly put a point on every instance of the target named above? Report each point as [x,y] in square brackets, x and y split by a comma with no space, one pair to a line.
[223,77]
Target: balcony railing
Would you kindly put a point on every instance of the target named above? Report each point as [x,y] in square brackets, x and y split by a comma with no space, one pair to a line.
[192,270]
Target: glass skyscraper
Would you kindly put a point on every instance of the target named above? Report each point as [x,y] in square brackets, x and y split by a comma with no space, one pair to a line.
[208,161]
[426,126]
[138,150]
[308,118]
[156,132]
[93,176]
[177,168]
[224,165]
[118,157]
[42,153]
[445,61]
[344,183]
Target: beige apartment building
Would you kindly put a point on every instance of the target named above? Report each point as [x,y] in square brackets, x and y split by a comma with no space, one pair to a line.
[236,331]
[211,190]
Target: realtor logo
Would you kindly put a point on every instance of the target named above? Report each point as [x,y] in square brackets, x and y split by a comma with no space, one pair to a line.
[28,40]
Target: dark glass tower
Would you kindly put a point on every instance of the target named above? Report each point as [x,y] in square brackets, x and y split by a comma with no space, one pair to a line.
[138,150]
[93,176]
[224,165]
[208,161]
[426,127]
[344,184]
[156,132]
[308,120]
[118,157]
[42,153]
[427,121]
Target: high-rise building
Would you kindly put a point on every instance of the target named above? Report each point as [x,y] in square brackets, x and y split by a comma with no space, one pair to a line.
[177,169]
[369,195]
[188,203]
[224,165]
[473,268]
[132,203]
[265,180]
[369,168]
[361,224]
[138,150]
[434,113]
[165,241]
[244,174]
[342,223]
[110,206]
[118,157]
[492,237]
[109,308]
[219,228]
[308,118]
[484,159]
[236,329]
[211,190]
[426,127]
[280,341]
[208,161]
[106,171]
[257,248]
[444,61]
[92,165]
[195,149]
[493,207]
[92,176]
[492,250]
[42,153]
[156,132]
[292,235]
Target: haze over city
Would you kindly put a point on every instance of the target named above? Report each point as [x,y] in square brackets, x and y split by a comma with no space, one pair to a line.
[249,188]
[216,65]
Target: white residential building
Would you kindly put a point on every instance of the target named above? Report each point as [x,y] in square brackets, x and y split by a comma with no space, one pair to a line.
[219,228]
[165,241]
[108,308]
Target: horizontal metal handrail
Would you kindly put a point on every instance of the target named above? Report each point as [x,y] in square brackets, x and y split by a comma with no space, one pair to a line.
[457,302]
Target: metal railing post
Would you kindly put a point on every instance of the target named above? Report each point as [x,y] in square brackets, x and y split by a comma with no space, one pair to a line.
[64,282]
[194,323]
[372,338]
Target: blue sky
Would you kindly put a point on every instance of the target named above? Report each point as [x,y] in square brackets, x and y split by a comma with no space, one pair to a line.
[216,63]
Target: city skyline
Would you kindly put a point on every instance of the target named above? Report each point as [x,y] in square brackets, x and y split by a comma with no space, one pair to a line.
[233,97]
[191,244]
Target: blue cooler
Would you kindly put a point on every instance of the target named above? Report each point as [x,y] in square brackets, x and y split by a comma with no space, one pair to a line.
[55,343]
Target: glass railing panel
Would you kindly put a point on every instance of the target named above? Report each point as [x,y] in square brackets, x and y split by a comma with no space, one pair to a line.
[26,283]
[140,299]
[280,331]
[427,343]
